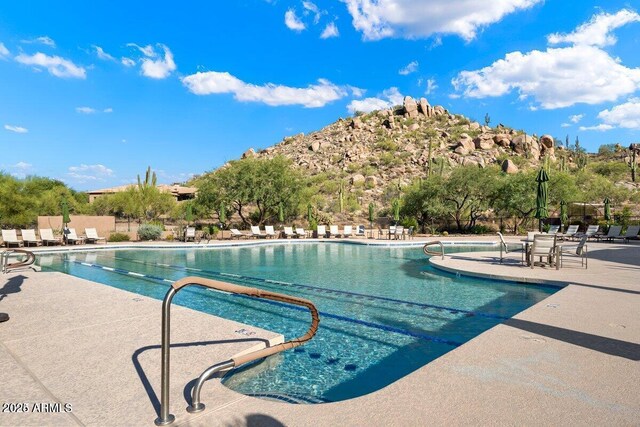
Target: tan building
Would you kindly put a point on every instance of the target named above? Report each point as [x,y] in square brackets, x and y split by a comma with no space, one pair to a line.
[178,191]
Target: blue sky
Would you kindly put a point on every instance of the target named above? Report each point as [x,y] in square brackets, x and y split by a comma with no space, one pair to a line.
[92,95]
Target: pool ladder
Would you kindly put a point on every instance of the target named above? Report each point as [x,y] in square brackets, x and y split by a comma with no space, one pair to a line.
[165,417]
[428,251]
[7,266]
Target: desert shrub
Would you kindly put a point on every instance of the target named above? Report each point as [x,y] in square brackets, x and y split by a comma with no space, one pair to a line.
[119,237]
[149,232]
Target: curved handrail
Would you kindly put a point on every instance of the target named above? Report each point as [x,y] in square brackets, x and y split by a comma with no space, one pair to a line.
[196,406]
[6,266]
[427,251]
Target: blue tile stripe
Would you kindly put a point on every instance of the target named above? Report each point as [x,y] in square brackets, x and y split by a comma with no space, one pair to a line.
[451,310]
[322,313]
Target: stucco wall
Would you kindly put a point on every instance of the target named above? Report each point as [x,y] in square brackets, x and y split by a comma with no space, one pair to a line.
[105,225]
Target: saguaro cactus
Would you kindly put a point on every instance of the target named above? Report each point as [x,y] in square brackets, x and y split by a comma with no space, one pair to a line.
[341,196]
[633,165]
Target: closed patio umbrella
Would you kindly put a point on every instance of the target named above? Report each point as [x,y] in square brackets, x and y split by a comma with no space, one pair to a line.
[65,218]
[607,209]
[396,210]
[280,213]
[222,215]
[541,197]
[309,213]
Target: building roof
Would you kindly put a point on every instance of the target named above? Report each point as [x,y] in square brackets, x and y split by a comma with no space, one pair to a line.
[174,189]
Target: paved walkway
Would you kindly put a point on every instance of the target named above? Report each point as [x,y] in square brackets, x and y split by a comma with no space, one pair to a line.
[572,359]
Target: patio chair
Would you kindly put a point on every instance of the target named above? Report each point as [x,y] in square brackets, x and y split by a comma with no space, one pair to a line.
[300,233]
[410,232]
[399,232]
[544,247]
[579,250]
[504,249]
[569,232]
[91,236]
[630,234]
[360,231]
[333,231]
[29,237]
[46,234]
[190,234]
[73,238]
[321,231]
[392,232]
[553,229]
[255,232]
[614,231]
[288,232]
[270,232]
[237,234]
[348,231]
[9,237]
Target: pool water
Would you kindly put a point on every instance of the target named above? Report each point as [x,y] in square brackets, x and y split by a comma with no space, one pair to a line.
[384,312]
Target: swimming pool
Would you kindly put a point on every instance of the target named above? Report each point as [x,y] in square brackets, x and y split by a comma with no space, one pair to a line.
[384,311]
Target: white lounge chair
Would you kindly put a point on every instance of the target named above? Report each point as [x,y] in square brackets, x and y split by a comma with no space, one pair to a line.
[348,231]
[630,234]
[288,232]
[569,232]
[91,236]
[73,238]
[504,249]
[544,247]
[334,231]
[392,232]
[579,250]
[553,229]
[322,231]
[360,231]
[190,234]
[255,232]
[46,234]
[270,232]
[237,234]
[9,237]
[300,232]
[399,232]
[29,237]
[591,232]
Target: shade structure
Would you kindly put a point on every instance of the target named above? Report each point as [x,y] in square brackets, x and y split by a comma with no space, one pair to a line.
[395,207]
[607,209]
[65,212]
[564,218]
[542,210]
[222,215]
[280,213]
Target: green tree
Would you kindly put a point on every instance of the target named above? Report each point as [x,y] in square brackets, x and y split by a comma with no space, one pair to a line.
[424,201]
[516,197]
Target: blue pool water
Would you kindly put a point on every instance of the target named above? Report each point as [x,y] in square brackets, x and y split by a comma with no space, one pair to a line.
[384,311]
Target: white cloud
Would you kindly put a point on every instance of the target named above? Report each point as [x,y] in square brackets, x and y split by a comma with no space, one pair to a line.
[575,118]
[56,65]
[315,95]
[387,99]
[600,127]
[4,52]
[292,21]
[108,110]
[16,129]
[556,78]
[101,54]
[431,87]
[127,62]
[625,115]
[565,125]
[411,67]
[86,173]
[22,166]
[21,169]
[559,77]
[377,19]
[311,7]
[146,50]
[85,110]
[596,32]
[45,40]
[159,68]
[331,30]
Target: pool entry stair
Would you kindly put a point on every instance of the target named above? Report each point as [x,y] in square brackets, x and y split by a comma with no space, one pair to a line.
[165,417]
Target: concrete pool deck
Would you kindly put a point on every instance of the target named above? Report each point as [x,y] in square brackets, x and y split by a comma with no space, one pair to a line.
[572,359]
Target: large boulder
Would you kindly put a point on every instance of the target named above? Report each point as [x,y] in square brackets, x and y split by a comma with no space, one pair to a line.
[357,178]
[410,107]
[425,108]
[249,153]
[439,110]
[356,123]
[465,145]
[502,140]
[315,146]
[547,141]
[484,142]
[521,143]
[509,167]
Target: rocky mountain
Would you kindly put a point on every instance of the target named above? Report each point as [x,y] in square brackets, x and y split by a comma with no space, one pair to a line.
[370,152]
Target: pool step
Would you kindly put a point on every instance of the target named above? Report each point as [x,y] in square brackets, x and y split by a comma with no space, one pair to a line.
[297,399]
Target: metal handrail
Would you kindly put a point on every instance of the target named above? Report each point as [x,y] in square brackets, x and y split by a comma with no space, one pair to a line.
[7,266]
[426,250]
[197,406]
